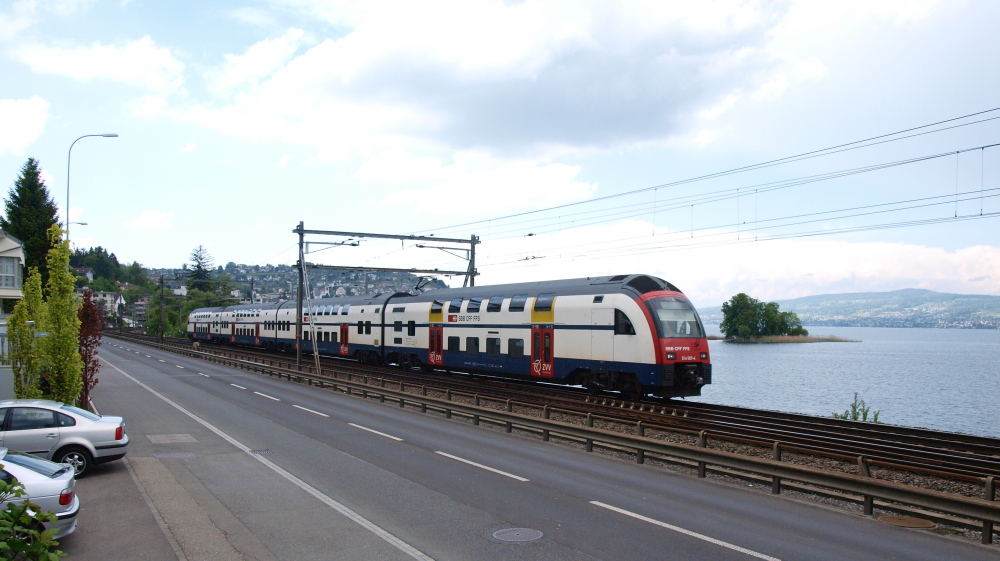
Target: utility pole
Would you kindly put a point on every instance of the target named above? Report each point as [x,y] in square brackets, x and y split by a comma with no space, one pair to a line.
[161,308]
[471,275]
[251,290]
[301,231]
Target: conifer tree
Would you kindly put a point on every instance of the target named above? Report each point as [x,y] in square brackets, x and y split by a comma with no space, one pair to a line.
[60,349]
[24,351]
[29,212]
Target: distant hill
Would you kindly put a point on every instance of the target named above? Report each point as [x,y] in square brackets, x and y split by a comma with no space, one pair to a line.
[909,307]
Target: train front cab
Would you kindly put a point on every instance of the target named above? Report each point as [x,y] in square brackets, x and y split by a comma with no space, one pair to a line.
[682,347]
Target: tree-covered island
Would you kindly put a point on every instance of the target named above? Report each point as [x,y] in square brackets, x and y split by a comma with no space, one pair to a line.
[748,320]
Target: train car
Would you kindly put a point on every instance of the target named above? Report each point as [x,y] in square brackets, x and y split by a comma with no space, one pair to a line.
[635,334]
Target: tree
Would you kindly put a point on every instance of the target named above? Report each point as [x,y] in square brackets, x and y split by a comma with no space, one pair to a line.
[746,318]
[91,321]
[741,317]
[29,212]
[60,349]
[201,272]
[24,353]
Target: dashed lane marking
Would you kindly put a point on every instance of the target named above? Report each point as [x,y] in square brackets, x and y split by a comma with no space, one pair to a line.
[310,410]
[161,360]
[178,366]
[396,438]
[235,386]
[267,396]
[354,516]
[686,532]
[481,466]
[205,375]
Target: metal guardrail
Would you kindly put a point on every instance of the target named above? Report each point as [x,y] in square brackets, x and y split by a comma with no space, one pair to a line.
[986,511]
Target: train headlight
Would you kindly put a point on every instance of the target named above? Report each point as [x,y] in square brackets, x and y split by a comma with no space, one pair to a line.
[671,356]
[704,356]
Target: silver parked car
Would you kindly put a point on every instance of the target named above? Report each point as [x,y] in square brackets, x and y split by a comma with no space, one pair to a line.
[49,485]
[61,433]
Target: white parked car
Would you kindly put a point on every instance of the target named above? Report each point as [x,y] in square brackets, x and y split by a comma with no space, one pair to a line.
[49,485]
[61,433]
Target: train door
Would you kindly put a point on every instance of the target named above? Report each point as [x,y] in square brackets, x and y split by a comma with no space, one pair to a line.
[256,334]
[542,353]
[602,334]
[345,349]
[435,345]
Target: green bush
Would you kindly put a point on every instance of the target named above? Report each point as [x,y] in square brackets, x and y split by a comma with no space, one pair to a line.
[20,537]
[858,412]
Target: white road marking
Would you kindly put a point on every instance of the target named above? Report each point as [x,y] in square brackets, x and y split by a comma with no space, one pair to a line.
[396,438]
[205,375]
[310,410]
[235,386]
[686,532]
[178,366]
[487,468]
[267,396]
[161,360]
[357,518]
[147,356]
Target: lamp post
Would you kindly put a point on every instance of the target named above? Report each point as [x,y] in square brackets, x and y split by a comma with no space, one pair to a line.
[69,157]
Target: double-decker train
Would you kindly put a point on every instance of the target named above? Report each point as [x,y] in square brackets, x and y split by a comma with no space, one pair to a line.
[636,334]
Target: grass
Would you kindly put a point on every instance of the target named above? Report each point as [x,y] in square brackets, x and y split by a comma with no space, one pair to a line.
[789,339]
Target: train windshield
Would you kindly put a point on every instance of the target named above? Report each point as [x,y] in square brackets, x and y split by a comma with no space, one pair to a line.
[676,318]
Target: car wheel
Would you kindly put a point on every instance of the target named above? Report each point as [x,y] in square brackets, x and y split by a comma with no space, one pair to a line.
[75,456]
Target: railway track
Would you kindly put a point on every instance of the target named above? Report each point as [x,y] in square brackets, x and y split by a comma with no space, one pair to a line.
[951,455]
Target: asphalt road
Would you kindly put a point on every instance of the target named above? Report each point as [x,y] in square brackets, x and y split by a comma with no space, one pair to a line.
[337,477]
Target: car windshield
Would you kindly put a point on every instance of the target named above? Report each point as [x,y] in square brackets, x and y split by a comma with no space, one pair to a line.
[37,465]
[81,412]
[676,317]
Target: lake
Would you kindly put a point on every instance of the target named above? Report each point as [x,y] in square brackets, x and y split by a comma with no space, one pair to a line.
[943,379]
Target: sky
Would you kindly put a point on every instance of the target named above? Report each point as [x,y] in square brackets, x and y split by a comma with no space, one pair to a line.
[575,138]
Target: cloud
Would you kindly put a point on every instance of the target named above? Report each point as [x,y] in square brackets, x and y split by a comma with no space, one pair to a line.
[259,61]
[517,79]
[189,147]
[711,274]
[151,220]
[283,161]
[138,63]
[499,185]
[21,123]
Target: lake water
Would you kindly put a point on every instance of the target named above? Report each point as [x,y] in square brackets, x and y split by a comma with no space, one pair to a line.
[943,379]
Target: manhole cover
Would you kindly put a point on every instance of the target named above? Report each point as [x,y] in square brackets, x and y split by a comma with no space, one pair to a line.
[517,535]
[907,521]
[259,452]
[174,455]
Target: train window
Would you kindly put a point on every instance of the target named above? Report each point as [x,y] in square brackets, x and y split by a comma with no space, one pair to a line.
[472,345]
[543,303]
[411,328]
[333,337]
[454,344]
[455,307]
[547,348]
[327,310]
[361,328]
[474,305]
[397,341]
[517,303]
[623,326]
[305,335]
[368,328]
[343,311]
[536,346]
[598,299]
[492,346]
[397,326]
[377,310]
[436,306]
[398,310]
[496,302]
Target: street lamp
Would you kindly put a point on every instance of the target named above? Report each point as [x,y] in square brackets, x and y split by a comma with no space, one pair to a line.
[69,157]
